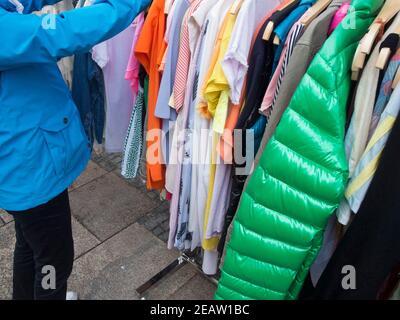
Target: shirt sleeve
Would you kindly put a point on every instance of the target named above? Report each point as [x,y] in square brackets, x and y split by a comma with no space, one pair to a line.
[34,39]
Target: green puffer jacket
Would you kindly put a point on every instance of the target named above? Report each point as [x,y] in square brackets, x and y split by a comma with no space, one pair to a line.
[301,177]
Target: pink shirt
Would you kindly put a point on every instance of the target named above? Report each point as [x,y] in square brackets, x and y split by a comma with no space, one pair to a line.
[270,93]
[132,71]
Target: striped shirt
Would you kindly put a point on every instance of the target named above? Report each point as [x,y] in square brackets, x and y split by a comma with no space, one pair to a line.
[182,67]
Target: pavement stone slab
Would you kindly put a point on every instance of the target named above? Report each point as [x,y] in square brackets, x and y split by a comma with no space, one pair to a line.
[108,162]
[5,217]
[139,184]
[107,205]
[198,288]
[83,239]
[7,242]
[171,283]
[92,172]
[114,269]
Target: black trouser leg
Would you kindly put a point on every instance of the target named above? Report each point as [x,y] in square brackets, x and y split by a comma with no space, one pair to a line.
[24,267]
[44,241]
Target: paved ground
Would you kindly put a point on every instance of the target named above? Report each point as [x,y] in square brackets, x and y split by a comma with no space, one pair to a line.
[120,230]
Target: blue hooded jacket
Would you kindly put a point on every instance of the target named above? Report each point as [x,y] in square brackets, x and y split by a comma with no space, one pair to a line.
[43,146]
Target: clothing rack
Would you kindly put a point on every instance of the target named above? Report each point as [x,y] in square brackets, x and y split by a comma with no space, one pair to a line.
[174,266]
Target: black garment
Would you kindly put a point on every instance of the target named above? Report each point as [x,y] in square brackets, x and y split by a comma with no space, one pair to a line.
[259,74]
[372,242]
[44,238]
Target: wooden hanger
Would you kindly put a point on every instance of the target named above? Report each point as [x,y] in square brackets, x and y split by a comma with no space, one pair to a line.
[358,62]
[310,15]
[314,11]
[167,6]
[270,26]
[385,53]
[289,3]
[268,31]
[388,11]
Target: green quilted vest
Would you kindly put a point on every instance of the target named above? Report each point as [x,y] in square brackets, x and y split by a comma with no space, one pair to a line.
[301,177]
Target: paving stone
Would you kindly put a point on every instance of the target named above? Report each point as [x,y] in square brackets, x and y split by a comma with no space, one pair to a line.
[7,241]
[164,236]
[114,269]
[139,184]
[109,162]
[83,239]
[157,231]
[108,205]
[92,172]
[154,195]
[5,217]
[165,225]
[167,286]
[198,288]
[150,222]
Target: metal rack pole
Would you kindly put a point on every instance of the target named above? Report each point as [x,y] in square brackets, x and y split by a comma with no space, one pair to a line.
[174,266]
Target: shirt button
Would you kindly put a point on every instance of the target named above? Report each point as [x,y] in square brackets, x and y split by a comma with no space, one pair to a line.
[65,120]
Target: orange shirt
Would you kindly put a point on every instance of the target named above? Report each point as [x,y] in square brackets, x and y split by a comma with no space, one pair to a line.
[149,50]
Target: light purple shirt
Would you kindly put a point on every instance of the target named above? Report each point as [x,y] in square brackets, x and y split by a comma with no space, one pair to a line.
[113,56]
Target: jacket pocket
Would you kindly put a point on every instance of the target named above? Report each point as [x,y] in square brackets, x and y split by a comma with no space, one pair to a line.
[65,140]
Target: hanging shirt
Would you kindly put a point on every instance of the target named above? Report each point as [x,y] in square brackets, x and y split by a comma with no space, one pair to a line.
[89,96]
[202,142]
[182,67]
[183,189]
[276,80]
[259,73]
[234,62]
[170,15]
[216,91]
[132,70]
[365,170]
[356,139]
[282,30]
[149,50]
[134,140]
[225,145]
[385,91]
[163,110]
[113,57]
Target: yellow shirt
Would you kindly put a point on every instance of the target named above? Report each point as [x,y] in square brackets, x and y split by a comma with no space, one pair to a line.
[216,93]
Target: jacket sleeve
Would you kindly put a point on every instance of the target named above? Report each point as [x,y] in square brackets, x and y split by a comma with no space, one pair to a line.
[29,5]
[29,39]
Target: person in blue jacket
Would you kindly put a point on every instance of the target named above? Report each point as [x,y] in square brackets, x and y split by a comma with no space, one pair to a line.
[43,146]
